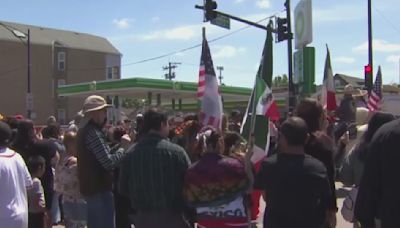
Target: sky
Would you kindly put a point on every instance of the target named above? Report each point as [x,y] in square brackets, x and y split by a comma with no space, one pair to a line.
[143,30]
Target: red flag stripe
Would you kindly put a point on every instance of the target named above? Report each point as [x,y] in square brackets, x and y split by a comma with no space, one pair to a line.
[202,83]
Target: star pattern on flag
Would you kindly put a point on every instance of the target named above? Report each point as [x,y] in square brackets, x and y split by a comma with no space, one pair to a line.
[206,60]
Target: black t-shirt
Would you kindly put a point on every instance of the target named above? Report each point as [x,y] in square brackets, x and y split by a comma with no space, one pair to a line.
[297,191]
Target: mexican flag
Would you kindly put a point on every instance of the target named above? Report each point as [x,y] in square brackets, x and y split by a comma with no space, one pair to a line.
[266,106]
[261,131]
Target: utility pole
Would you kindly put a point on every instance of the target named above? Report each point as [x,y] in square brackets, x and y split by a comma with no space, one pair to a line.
[370,57]
[220,68]
[29,94]
[292,92]
[170,68]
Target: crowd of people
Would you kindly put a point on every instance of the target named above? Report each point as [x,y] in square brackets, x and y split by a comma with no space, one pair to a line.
[156,171]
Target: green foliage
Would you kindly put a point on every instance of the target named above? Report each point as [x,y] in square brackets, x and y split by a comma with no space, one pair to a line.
[132,103]
[280,80]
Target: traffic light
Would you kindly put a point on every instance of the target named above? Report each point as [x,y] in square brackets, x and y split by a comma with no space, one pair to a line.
[209,7]
[283,30]
[368,77]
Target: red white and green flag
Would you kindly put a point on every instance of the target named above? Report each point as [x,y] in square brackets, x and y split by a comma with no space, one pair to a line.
[265,105]
[328,98]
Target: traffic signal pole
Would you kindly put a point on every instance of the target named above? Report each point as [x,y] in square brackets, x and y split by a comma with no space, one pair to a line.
[370,56]
[292,89]
[237,19]
[210,13]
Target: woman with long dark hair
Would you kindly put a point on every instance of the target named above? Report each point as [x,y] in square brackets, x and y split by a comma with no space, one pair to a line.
[353,165]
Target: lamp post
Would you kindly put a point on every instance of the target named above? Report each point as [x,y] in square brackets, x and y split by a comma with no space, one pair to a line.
[220,68]
[29,97]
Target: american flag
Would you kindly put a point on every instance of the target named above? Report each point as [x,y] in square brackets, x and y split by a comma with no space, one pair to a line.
[376,93]
[208,90]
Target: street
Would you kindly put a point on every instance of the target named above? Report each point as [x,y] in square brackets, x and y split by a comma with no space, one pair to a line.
[341,223]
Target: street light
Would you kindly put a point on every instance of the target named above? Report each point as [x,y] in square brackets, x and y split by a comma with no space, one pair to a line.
[220,68]
[29,97]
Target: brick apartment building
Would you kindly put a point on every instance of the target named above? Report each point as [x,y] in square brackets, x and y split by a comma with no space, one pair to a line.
[57,57]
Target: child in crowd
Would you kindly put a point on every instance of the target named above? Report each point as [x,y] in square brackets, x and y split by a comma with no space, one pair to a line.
[75,208]
[36,201]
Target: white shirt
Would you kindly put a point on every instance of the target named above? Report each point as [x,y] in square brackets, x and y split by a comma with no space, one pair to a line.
[14,181]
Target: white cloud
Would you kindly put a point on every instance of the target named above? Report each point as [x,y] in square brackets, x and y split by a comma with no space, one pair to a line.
[263,4]
[123,23]
[185,32]
[393,58]
[344,60]
[226,51]
[378,46]
[178,33]
[347,13]
[155,19]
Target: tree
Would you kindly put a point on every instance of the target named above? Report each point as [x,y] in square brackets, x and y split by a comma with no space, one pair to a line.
[280,80]
[285,80]
[132,103]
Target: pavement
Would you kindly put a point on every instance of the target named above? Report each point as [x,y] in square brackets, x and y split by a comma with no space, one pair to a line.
[341,194]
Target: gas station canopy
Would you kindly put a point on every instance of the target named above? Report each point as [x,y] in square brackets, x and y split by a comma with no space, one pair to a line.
[162,91]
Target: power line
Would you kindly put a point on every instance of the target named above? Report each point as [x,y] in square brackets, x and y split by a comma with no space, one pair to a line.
[387,20]
[199,45]
[188,48]
[160,56]
[4,74]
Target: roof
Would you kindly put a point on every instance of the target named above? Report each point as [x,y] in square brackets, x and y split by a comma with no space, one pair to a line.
[46,36]
[139,88]
[354,81]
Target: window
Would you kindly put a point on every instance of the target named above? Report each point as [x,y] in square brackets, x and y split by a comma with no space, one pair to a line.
[337,83]
[112,72]
[61,115]
[109,73]
[60,82]
[115,72]
[61,61]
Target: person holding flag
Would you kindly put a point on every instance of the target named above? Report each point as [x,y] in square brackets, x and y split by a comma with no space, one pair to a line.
[215,185]
[256,127]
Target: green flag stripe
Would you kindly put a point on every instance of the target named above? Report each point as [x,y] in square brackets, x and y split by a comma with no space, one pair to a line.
[263,78]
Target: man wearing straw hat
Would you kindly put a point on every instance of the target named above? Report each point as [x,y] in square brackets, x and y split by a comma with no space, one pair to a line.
[347,108]
[96,163]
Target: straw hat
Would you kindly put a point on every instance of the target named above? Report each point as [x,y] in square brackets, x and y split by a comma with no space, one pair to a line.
[348,89]
[91,104]
[359,93]
[94,103]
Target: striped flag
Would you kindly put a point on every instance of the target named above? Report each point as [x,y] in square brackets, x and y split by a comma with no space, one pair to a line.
[376,93]
[328,98]
[208,90]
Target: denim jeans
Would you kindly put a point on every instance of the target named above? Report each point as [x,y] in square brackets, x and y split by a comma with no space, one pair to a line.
[100,208]
[75,214]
